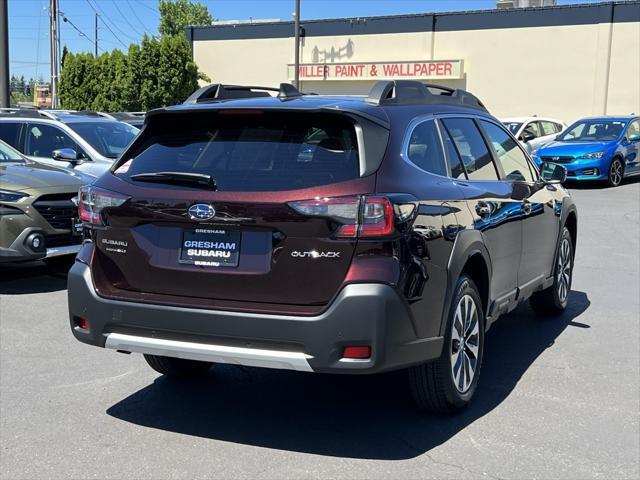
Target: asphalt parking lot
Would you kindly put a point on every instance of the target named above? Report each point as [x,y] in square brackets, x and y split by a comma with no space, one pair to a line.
[557,398]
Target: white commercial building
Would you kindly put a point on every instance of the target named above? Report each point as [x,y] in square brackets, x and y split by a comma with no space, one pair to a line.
[560,61]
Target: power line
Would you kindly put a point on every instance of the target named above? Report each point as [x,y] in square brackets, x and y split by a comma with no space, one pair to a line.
[104,16]
[105,24]
[136,15]
[115,4]
[82,34]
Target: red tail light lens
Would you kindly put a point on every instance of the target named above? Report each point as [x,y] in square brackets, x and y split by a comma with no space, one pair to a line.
[359,216]
[92,201]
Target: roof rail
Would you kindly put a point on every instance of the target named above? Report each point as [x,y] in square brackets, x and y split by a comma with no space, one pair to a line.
[20,112]
[412,92]
[218,92]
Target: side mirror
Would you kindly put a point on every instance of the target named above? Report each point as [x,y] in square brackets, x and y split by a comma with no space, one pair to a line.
[553,173]
[634,137]
[526,136]
[66,155]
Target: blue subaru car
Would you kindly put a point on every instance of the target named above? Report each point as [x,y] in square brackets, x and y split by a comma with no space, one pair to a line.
[603,148]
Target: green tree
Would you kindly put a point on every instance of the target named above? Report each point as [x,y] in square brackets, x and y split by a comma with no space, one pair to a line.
[175,15]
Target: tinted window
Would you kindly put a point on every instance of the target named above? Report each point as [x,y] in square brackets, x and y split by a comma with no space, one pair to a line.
[512,159]
[258,151]
[471,148]
[455,163]
[593,131]
[513,126]
[108,138]
[9,133]
[425,149]
[43,139]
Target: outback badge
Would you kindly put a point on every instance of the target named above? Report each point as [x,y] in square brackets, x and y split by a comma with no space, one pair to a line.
[201,211]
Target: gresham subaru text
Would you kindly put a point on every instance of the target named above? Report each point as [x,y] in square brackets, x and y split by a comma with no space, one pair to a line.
[351,235]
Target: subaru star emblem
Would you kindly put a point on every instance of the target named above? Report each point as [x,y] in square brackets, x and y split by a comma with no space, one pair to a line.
[201,211]
[555,159]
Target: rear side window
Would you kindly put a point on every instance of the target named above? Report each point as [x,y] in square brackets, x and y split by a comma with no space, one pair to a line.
[549,128]
[471,148]
[425,150]
[9,133]
[512,159]
[250,151]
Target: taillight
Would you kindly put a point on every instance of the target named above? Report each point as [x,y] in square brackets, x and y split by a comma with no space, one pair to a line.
[92,201]
[358,216]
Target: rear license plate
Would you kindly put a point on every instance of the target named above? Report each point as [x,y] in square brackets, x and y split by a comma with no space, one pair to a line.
[210,248]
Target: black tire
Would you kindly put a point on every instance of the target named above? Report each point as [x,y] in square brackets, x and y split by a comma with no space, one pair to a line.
[615,173]
[177,367]
[432,384]
[554,300]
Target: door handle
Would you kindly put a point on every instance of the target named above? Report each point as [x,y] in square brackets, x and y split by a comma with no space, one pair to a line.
[483,210]
[526,207]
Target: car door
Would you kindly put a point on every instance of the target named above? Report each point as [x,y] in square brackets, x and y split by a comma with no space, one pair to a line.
[631,144]
[41,139]
[494,211]
[549,130]
[540,220]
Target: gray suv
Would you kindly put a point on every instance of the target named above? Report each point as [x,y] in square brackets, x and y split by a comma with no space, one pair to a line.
[85,141]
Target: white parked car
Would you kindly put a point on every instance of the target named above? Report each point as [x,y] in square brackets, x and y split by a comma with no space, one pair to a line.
[534,132]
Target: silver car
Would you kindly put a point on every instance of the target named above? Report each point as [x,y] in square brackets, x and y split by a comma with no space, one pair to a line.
[85,141]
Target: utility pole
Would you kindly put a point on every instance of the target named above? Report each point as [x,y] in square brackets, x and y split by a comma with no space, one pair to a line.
[53,34]
[96,42]
[5,96]
[297,51]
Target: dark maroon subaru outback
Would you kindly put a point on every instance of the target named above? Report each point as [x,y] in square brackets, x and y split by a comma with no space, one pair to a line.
[324,234]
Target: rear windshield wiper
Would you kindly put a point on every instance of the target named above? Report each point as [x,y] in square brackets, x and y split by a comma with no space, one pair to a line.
[198,180]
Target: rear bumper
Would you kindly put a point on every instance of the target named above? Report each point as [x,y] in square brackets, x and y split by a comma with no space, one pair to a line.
[362,314]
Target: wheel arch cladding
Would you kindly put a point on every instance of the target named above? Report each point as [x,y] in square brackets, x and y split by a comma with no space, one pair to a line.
[572,225]
[469,257]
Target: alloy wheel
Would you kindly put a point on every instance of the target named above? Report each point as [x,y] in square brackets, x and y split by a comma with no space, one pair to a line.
[465,341]
[563,274]
[615,173]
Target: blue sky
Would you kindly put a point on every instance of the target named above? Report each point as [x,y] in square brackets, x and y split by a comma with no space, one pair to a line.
[125,21]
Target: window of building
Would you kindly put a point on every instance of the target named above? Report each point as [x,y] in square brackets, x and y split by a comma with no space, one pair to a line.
[425,150]
[512,159]
[472,149]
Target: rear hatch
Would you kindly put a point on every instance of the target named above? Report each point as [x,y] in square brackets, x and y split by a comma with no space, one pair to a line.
[238,206]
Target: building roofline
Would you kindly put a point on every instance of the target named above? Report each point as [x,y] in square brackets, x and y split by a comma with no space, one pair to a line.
[576,14]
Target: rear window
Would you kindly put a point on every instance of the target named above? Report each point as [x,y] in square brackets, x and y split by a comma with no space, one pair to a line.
[250,151]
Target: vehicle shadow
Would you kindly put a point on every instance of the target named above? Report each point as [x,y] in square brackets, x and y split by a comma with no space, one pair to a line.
[35,277]
[597,185]
[367,417]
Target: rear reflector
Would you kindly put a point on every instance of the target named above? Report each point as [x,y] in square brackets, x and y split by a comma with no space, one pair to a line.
[359,216]
[83,324]
[360,352]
